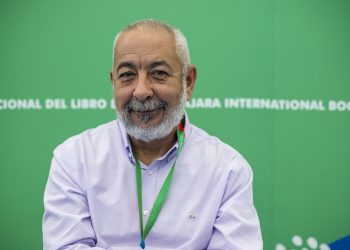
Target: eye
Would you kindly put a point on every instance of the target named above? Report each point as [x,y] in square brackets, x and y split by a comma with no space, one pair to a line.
[126,76]
[159,74]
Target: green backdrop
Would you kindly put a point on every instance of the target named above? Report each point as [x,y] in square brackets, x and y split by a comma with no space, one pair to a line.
[290,51]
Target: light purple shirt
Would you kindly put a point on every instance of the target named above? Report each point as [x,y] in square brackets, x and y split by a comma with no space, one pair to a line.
[91,196]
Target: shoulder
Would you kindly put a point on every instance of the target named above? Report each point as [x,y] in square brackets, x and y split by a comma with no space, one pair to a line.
[90,138]
[224,158]
[211,144]
[80,151]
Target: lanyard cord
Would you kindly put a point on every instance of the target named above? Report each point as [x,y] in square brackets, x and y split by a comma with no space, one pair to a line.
[158,204]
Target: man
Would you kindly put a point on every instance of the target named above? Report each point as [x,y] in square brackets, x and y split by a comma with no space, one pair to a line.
[149,179]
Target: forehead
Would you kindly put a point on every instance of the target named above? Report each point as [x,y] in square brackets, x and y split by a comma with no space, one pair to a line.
[146,43]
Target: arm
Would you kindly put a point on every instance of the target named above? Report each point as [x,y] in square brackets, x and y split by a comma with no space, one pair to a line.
[66,221]
[237,225]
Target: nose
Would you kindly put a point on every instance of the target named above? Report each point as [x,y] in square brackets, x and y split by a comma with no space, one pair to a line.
[143,89]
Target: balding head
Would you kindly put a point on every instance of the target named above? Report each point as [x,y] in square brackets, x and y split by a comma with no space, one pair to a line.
[180,42]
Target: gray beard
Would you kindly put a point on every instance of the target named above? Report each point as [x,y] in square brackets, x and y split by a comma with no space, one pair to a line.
[171,120]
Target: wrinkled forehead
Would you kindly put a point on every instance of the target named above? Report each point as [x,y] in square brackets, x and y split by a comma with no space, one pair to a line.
[145,42]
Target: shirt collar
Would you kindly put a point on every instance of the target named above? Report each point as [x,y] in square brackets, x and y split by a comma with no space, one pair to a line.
[168,155]
[126,141]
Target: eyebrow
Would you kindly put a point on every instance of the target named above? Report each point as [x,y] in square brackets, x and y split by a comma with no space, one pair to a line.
[126,64]
[129,64]
[159,63]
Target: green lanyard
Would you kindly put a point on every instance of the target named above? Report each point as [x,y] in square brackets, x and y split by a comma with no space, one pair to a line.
[157,206]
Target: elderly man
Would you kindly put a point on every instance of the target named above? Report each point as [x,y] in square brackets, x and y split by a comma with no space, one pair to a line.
[149,179]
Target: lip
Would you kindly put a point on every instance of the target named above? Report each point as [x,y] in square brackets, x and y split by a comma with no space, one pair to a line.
[148,111]
[147,116]
[145,112]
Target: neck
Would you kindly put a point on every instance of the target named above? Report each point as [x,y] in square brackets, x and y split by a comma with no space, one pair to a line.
[147,152]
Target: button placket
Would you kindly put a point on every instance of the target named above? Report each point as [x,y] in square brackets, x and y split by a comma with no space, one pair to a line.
[149,182]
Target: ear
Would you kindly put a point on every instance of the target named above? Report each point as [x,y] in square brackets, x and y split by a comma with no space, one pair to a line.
[111,76]
[190,80]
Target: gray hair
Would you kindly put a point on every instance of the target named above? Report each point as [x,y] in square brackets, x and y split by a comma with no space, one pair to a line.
[181,47]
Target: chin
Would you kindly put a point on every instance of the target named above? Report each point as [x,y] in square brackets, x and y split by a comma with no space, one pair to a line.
[152,127]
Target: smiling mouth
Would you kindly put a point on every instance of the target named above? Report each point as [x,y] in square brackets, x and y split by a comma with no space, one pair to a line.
[146,116]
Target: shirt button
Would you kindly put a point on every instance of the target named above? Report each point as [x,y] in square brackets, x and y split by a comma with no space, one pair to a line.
[145,213]
[150,172]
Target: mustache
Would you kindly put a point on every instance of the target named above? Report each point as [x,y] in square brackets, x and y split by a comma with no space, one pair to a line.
[144,106]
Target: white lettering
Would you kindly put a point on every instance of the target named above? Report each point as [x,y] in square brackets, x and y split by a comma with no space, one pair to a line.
[204,103]
[88,103]
[338,105]
[112,104]
[55,104]
[13,104]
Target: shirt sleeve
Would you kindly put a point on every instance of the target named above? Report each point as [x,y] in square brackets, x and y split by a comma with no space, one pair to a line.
[237,225]
[66,221]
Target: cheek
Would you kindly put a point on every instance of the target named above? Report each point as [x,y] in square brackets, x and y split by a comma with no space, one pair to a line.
[169,91]
[170,96]
[122,96]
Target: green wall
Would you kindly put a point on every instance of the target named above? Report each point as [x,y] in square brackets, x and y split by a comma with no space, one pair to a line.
[260,49]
